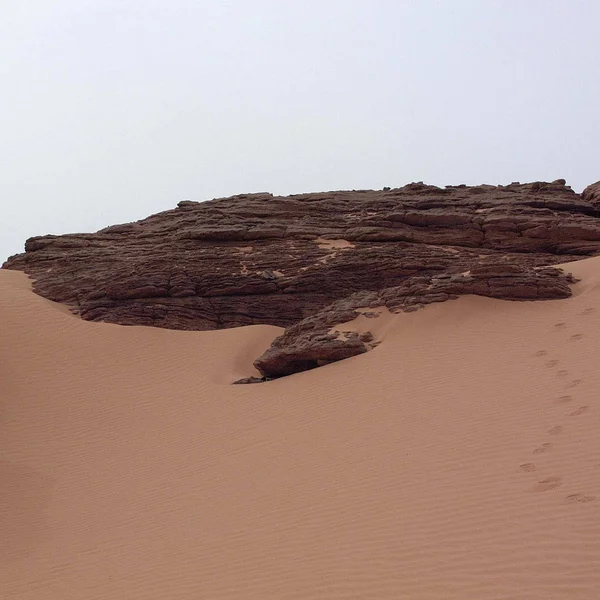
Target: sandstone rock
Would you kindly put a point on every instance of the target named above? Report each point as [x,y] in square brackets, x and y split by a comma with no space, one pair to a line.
[591,194]
[258,258]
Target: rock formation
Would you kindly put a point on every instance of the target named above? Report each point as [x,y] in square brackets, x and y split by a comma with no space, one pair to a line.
[309,260]
[312,343]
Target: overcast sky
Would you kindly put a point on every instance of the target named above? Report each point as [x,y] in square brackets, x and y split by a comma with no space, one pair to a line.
[112,110]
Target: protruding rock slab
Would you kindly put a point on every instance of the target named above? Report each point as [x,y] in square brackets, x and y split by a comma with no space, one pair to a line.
[310,343]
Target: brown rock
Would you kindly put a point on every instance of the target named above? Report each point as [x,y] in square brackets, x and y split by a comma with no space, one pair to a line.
[256,258]
[309,344]
[591,194]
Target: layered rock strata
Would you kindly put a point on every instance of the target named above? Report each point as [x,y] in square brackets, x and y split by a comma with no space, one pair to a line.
[259,258]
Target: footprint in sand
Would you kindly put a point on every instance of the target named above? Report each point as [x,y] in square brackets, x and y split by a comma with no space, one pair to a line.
[588,311]
[562,373]
[543,448]
[560,325]
[527,467]
[577,498]
[579,411]
[556,430]
[541,353]
[577,336]
[544,485]
[573,384]
[551,363]
[564,399]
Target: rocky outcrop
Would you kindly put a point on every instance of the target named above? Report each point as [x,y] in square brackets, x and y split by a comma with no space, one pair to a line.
[591,195]
[313,342]
[259,258]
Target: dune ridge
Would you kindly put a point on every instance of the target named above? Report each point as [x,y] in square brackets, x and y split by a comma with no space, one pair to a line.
[459,459]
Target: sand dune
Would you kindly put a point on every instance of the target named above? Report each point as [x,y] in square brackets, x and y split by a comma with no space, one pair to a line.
[460,459]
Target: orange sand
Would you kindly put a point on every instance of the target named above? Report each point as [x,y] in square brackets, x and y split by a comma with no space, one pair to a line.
[460,459]
[333,244]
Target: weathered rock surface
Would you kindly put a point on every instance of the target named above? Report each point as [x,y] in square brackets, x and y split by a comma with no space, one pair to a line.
[591,194]
[258,258]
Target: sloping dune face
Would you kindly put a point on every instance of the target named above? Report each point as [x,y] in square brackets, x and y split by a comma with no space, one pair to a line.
[460,459]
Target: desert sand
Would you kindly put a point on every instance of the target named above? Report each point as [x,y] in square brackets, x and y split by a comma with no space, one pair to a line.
[460,459]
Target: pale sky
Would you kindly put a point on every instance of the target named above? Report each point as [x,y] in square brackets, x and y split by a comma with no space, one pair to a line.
[112,110]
